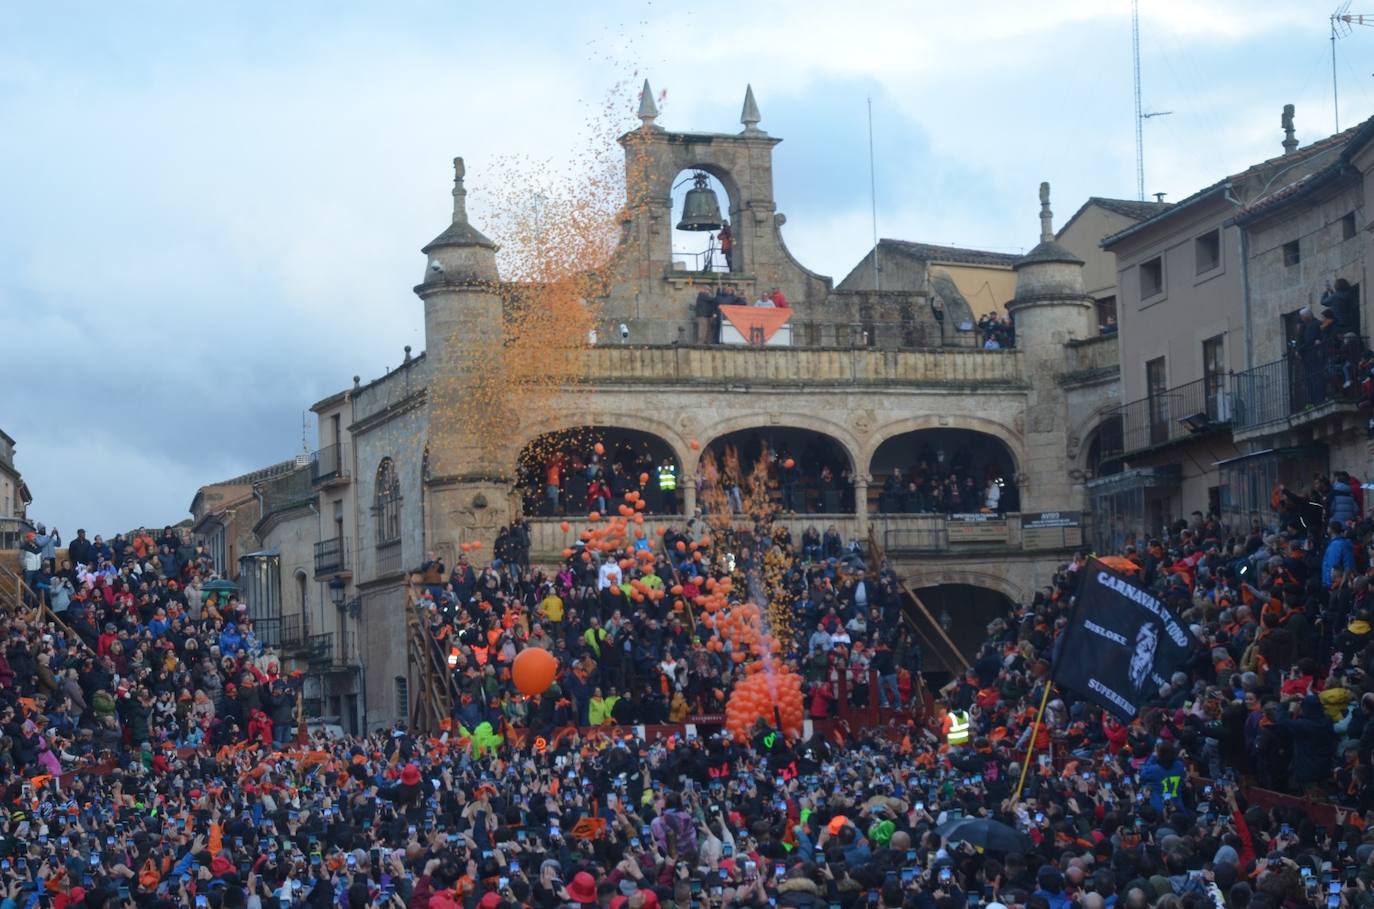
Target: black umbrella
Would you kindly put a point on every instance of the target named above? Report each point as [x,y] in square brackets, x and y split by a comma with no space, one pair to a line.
[985,833]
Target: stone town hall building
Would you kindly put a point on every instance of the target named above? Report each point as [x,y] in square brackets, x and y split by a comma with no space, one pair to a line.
[872,379]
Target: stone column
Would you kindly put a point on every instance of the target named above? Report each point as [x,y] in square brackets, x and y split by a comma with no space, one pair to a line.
[861,504]
[689,496]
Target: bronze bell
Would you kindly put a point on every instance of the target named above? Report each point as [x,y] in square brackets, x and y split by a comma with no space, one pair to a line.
[700,210]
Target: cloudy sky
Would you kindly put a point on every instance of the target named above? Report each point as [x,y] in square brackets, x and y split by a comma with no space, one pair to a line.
[213,213]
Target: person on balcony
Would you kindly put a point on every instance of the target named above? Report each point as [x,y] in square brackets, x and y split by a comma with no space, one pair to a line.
[705,311]
[726,239]
[1309,348]
[1342,300]
[778,299]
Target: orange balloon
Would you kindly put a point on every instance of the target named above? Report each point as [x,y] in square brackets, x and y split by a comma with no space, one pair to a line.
[599,448]
[643,479]
[789,463]
[533,670]
[677,590]
[564,526]
[567,553]
[594,516]
[695,444]
[681,546]
[476,544]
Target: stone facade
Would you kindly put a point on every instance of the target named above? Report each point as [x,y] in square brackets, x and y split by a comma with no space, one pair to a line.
[865,367]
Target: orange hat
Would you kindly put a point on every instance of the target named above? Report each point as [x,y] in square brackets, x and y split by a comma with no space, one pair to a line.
[837,823]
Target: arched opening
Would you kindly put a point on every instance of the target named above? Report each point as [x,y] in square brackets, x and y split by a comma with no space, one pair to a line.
[753,463]
[703,250]
[943,471]
[587,468]
[1103,457]
[964,611]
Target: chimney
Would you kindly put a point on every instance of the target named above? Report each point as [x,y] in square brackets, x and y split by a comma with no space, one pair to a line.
[1290,142]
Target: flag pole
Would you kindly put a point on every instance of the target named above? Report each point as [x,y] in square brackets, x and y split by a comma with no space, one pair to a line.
[1030,748]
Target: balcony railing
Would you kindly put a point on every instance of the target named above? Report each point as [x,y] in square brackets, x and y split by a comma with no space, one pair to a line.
[327,464]
[268,631]
[389,557]
[1178,413]
[331,556]
[1288,387]
[320,649]
[293,630]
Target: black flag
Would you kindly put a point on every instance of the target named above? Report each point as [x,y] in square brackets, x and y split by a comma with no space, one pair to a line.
[1121,644]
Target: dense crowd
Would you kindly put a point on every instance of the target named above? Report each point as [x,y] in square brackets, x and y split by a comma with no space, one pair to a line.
[185,791]
[996,332]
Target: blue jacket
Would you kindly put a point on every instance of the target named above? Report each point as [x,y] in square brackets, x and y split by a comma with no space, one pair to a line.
[1342,505]
[230,641]
[1056,900]
[1339,554]
[1162,782]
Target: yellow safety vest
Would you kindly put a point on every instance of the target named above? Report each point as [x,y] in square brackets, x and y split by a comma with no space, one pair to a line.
[958,728]
[667,478]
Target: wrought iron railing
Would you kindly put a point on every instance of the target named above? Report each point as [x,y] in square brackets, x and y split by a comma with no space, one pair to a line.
[331,556]
[1177,413]
[389,557]
[268,631]
[320,649]
[1292,385]
[327,464]
[293,629]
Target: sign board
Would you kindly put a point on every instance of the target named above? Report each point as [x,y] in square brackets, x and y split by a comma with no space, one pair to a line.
[976,528]
[1051,529]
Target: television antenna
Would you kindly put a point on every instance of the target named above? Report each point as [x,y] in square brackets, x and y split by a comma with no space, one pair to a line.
[1341,21]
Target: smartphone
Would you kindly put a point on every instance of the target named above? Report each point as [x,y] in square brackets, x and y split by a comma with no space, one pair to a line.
[946,875]
[696,886]
[728,851]
[520,836]
[872,897]
[779,869]
[908,876]
[201,901]
[634,843]
[514,866]
[502,883]
[123,894]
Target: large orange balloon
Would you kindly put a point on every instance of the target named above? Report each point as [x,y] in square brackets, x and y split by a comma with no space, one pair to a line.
[533,670]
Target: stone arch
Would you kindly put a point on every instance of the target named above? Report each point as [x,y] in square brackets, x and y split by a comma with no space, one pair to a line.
[964,603]
[763,421]
[682,450]
[1089,431]
[1008,436]
[936,576]
[628,458]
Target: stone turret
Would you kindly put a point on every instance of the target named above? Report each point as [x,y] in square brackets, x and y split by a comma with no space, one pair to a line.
[463,323]
[1049,310]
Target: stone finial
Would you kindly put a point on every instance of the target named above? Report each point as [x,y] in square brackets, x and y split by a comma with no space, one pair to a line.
[1290,141]
[1046,216]
[749,114]
[460,195]
[648,110]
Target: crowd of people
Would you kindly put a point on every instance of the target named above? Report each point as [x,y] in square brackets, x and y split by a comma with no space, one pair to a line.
[996,332]
[706,308]
[149,760]
[936,484]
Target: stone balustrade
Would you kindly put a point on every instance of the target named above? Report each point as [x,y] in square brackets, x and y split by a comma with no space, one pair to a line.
[612,364]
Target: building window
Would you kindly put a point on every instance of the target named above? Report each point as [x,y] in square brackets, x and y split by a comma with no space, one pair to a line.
[402,697]
[1151,278]
[1106,313]
[1214,377]
[387,503]
[1207,251]
[1348,227]
[1157,390]
[1291,255]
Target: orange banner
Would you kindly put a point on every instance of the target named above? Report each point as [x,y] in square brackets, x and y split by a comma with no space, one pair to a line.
[747,319]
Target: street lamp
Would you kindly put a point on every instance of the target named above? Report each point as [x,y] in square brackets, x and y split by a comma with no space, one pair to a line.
[337,589]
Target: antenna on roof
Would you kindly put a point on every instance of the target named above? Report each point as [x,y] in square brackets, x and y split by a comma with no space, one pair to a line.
[1341,20]
[1140,115]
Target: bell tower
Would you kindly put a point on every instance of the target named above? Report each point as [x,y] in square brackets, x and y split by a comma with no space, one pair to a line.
[651,287]
[1049,310]
[466,493]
